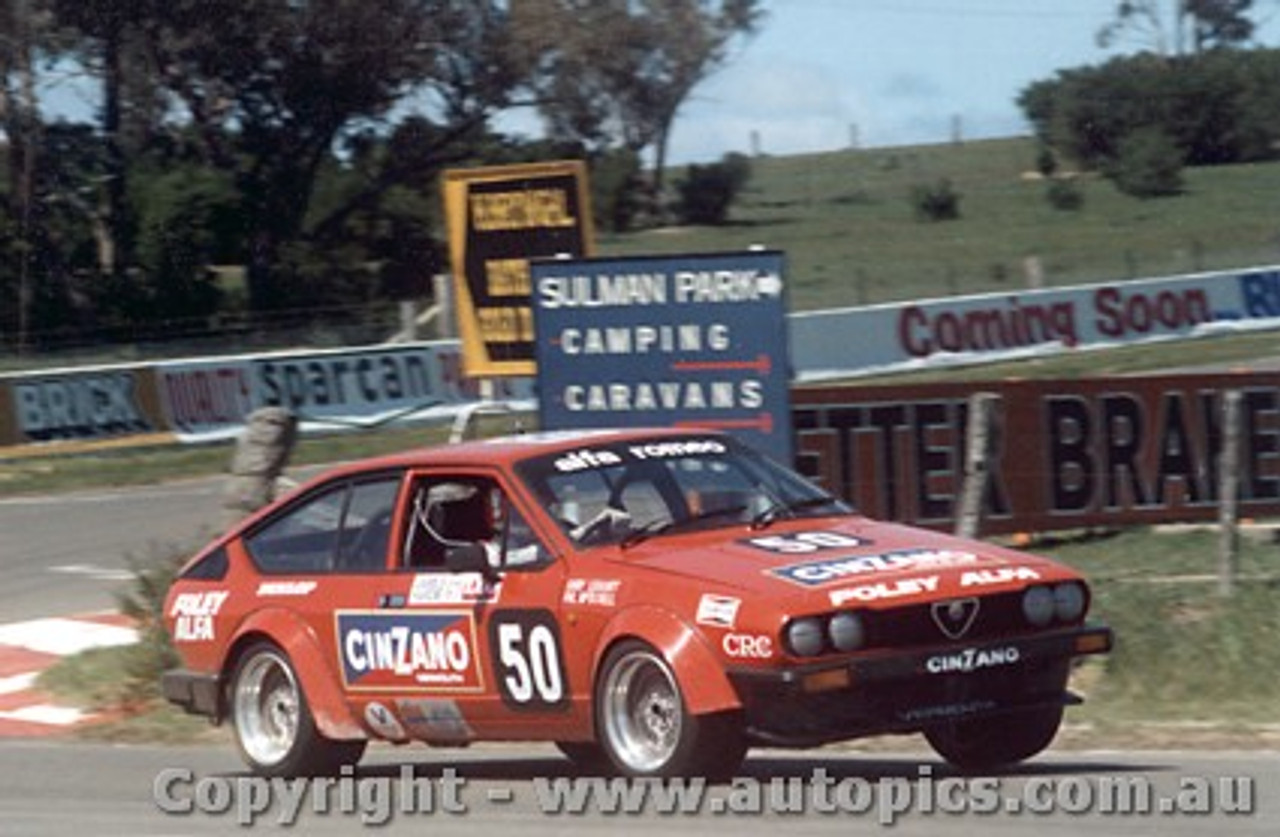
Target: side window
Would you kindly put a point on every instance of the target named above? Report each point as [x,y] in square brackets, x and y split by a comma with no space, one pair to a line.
[449,512]
[303,540]
[346,528]
[366,528]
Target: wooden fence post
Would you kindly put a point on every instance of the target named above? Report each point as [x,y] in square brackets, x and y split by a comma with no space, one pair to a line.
[978,445]
[1229,492]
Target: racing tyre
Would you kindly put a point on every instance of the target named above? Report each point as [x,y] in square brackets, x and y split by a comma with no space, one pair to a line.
[644,727]
[274,729]
[990,743]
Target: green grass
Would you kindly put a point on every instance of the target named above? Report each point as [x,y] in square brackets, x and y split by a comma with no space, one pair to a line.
[851,236]
[1183,653]
[97,680]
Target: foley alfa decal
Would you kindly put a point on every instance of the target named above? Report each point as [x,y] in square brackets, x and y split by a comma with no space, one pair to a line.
[420,651]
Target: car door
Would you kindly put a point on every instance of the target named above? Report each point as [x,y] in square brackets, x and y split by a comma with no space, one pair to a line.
[482,653]
[325,561]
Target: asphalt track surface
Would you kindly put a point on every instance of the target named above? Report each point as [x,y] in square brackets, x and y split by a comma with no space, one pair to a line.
[69,553]
[58,788]
[66,554]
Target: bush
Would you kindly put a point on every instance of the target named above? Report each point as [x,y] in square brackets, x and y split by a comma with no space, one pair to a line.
[617,190]
[1148,165]
[1046,162]
[707,192]
[1065,195]
[937,201]
[143,602]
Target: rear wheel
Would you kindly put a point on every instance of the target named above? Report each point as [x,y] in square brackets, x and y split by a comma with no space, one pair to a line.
[644,727]
[274,729]
[988,743]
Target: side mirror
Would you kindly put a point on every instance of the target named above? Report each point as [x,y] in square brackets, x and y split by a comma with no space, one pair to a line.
[470,558]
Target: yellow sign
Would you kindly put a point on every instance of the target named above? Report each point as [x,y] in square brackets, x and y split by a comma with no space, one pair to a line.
[499,218]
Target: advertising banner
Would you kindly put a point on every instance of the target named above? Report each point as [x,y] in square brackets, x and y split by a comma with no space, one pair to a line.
[1067,453]
[210,398]
[989,326]
[499,218]
[689,340]
[98,403]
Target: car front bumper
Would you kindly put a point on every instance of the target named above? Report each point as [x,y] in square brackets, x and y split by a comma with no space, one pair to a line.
[906,690]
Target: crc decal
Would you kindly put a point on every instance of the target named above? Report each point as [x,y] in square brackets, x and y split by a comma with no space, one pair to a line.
[601,592]
[452,589]
[434,719]
[193,615]
[383,722]
[527,660]
[885,590]
[972,659]
[747,646]
[805,543]
[999,575]
[717,611]
[829,571]
[286,588]
[419,651]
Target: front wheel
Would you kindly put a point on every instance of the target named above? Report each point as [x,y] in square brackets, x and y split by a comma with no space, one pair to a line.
[999,741]
[645,728]
[274,729]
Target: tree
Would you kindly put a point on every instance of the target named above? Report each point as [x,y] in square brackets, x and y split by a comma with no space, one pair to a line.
[20,30]
[616,72]
[1216,107]
[1173,27]
[270,89]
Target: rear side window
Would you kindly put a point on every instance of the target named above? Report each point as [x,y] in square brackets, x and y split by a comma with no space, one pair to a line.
[345,528]
[366,527]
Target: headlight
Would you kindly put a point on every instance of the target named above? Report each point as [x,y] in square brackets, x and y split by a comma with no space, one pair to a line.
[1038,605]
[804,637]
[846,631]
[1068,601]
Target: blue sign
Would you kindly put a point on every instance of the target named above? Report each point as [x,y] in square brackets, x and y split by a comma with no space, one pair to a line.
[695,341]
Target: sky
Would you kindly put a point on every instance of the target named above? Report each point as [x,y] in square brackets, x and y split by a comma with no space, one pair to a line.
[823,74]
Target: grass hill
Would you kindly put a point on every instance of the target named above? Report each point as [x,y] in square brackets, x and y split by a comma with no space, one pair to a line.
[848,225]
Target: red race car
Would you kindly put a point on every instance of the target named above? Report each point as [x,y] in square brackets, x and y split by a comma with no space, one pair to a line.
[654,602]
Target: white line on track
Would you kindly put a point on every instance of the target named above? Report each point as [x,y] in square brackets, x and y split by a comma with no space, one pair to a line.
[64,636]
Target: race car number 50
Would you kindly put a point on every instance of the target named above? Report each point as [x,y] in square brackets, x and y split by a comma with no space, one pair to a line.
[530,673]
